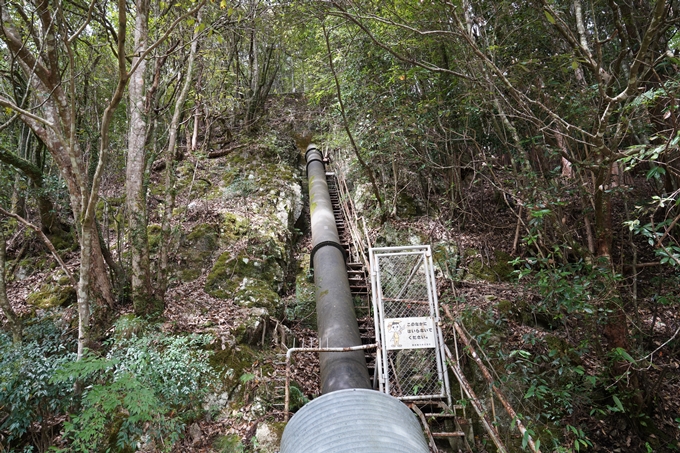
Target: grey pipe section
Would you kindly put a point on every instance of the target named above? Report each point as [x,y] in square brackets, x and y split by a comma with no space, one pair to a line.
[336,319]
[356,420]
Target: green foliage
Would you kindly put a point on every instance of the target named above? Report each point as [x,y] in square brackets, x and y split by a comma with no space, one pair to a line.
[575,289]
[229,444]
[666,245]
[297,397]
[557,389]
[30,401]
[558,386]
[145,389]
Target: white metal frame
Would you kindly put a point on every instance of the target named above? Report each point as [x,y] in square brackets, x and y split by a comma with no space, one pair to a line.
[382,365]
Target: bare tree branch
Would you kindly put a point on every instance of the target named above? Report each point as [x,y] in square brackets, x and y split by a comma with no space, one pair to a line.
[45,240]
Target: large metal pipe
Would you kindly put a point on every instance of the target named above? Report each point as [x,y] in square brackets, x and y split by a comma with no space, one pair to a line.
[336,319]
[348,417]
[354,421]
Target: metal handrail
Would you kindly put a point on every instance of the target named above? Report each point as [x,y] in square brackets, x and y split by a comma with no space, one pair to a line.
[291,351]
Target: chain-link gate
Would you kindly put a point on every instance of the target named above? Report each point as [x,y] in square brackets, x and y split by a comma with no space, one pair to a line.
[411,360]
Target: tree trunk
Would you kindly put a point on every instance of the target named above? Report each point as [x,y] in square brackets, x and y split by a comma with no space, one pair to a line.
[170,167]
[49,220]
[603,213]
[12,318]
[18,199]
[135,176]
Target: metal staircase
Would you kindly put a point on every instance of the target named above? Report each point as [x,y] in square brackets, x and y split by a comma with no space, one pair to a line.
[357,273]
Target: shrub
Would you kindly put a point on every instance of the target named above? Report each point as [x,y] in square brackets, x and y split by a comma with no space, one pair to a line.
[31,405]
[143,391]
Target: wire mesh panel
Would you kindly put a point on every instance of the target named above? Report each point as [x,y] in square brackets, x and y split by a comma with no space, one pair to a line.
[407,323]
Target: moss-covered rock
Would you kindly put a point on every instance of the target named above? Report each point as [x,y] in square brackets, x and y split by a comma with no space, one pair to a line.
[63,240]
[482,323]
[268,435]
[196,250]
[153,233]
[233,361]
[24,269]
[525,313]
[250,331]
[228,444]
[563,349]
[391,235]
[53,294]
[502,267]
[406,206]
[249,281]
[233,227]
[446,257]
[496,271]
[304,305]
[364,200]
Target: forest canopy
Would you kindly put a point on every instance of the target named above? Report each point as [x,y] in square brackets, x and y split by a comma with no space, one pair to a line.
[552,125]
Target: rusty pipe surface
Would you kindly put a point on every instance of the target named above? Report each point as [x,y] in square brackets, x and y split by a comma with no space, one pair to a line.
[336,319]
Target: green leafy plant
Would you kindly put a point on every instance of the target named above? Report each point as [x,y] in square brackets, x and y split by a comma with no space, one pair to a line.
[558,387]
[30,403]
[144,391]
[297,397]
[229,444]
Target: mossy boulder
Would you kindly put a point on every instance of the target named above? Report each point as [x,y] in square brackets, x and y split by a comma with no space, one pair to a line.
[527,313]
[196,250]
[268,435]
[233,227]
[407,206]
[153,233]
[483,325]
[496,271]
[25,269]
[250,331]
[502,266]
[392,235]
[249,281]
[63,240]
[304,305]
[505,308]
[232,362]
[228,444]
[256,293]
[53,294]
[563,349]
[272,187]
[446,257]
[364,200]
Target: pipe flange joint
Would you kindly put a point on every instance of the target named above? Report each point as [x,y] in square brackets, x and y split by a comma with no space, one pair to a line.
[324,244]
[313,159]
[309,150]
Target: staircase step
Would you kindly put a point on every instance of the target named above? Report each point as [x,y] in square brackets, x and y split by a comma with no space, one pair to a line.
[442,415]
[451,434]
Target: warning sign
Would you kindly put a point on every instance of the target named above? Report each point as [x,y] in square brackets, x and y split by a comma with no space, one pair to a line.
[409,333]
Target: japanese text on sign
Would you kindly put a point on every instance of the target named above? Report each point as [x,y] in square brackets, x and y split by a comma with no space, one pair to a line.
[409,333]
